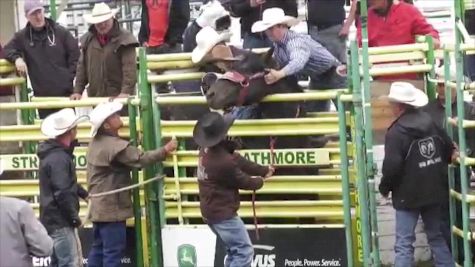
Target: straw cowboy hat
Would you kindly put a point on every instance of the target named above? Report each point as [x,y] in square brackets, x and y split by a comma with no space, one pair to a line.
[101,112]
[271,17]
[206,39]
[60,122]
[100,13]
[211,129]
[406,93]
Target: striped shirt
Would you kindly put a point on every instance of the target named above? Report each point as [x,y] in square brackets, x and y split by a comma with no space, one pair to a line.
[301,54]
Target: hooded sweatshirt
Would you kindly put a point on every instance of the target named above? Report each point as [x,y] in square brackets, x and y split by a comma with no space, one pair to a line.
[59,190]
[417,153]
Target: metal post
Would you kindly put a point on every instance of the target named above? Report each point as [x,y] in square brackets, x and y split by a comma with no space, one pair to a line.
[52,9]
[430,55]
[151,191]
[449,128]
[139,260]
[158,141]
[368,135]
[345,180]
[362,188]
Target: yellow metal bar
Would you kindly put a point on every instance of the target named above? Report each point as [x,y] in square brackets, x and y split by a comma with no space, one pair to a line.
[177,189]
[187,56]
[403,56]
[18,133]
[164,78]
[4,62]
[321,184]
[290,97]
[61,102]
[399,70]
[166,65]
[459,232]
[11,81]
[329,209]
[469,161]
[6,68]
[267,127]
[457,195]
[397,48]
[468,124]
[463,47]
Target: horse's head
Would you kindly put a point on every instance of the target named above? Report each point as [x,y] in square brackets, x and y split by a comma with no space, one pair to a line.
[244,83]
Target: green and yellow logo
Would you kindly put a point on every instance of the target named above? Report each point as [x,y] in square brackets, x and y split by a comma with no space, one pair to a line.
[186,256]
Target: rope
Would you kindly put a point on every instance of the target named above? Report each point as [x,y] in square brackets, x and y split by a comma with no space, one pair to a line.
[115,191]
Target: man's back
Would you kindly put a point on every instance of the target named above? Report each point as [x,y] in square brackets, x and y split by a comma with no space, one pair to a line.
[22,235]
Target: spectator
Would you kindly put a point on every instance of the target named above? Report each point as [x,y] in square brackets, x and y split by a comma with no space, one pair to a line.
[47,52]
[221,173]
[326,25]
[392,22]
[59,189]
[163,24]
[436,109]
[251,11]
[299,54]
[22,234]
[213,15]
[417,152]
[108,58]
[109,162]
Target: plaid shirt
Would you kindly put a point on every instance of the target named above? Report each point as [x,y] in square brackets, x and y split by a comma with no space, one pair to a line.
[299,53]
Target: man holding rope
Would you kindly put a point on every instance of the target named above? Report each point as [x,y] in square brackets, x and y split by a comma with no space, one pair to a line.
[109,162]
[221,173]
[59,190]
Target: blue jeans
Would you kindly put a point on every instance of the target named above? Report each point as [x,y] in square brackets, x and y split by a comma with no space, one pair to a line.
[331,40]
[246,112]
[108,245]
[239,250]
[65,248]
[406,221]
[250,41]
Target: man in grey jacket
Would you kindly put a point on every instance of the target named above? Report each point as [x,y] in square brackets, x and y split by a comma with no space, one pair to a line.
[22,234]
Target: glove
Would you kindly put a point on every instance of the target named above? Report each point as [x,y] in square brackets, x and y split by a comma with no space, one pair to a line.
[211,12]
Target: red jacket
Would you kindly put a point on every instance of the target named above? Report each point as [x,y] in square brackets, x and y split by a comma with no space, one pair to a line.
[400,26]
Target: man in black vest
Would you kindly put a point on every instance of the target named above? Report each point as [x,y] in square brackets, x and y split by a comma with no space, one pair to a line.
[417,152]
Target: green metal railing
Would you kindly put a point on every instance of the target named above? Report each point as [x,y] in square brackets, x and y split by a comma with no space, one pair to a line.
[465,161]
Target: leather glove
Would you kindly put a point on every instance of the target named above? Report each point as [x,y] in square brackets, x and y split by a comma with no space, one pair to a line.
[210,13]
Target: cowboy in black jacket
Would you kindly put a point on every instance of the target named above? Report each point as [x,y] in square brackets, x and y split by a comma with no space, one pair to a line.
[417,152]
[178,17]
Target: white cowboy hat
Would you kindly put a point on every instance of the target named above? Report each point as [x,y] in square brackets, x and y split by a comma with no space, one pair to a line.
[406,93]
[101,112]
[60,122]
[206,39]
[100,13]
[440,75]
[271,17]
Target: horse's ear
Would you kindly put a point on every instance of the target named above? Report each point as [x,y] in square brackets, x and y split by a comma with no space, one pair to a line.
[267,57]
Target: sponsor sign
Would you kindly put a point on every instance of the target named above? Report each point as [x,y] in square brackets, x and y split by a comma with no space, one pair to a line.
[289,157]
[294,247]
[86,236]
[31,161]
[188,247]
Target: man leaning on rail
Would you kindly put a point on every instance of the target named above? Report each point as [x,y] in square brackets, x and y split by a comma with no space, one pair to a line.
[109,162]
[108,58]
[417,152]
[59,189]
[47,52]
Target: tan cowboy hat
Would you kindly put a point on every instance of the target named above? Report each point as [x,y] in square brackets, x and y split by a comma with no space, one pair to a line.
[100,13]
[101,112]
[60,122]
[406,93]
[206,39]
[271,17]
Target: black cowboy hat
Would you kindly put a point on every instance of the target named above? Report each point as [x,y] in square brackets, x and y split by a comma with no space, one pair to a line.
[211,129]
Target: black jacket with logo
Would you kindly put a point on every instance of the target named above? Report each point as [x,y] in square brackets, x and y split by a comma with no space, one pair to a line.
[417,153]
[59,190]
[51,56]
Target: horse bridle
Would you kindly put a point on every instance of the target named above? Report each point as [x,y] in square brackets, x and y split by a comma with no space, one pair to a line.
[242,80]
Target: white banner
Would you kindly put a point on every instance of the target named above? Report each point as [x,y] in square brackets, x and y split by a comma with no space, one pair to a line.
[188,247]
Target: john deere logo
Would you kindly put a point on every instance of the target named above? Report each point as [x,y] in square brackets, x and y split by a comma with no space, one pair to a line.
[186,256]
